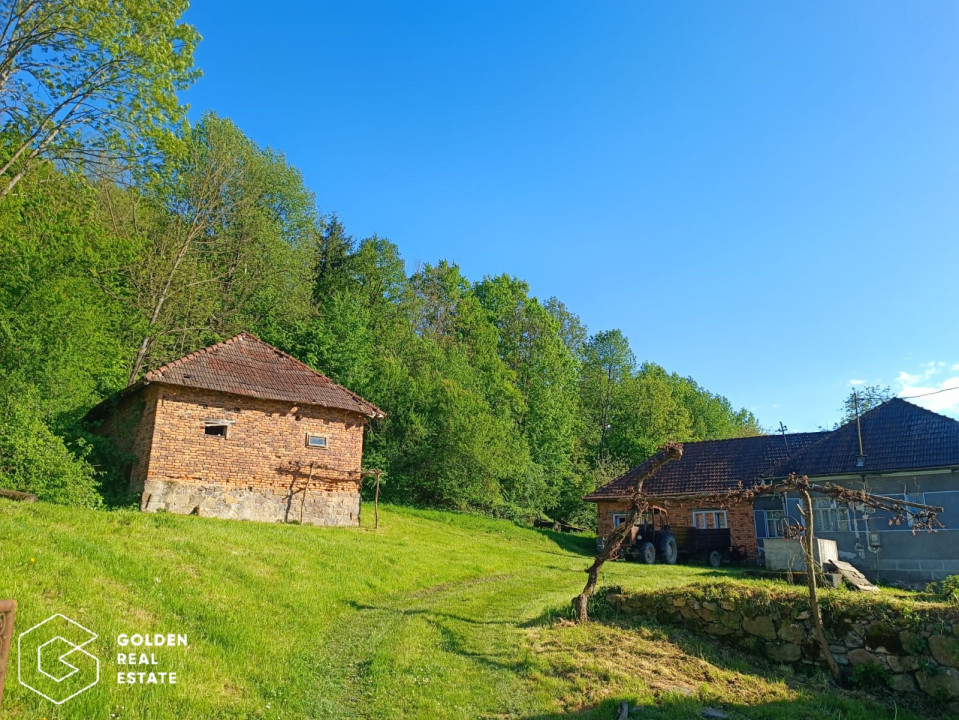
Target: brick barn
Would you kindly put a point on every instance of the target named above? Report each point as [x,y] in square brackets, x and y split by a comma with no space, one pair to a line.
[242,430]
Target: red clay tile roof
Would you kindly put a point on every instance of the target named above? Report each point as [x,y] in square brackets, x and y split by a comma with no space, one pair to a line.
[896,435]
[712,466]
[245,365]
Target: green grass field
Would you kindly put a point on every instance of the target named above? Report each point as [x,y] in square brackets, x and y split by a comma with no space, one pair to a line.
[434,615]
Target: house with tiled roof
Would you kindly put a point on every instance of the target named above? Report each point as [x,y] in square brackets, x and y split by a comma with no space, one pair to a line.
[241,430]
[907,453]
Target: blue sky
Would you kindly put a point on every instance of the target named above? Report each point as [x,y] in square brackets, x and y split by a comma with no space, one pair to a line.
[762,196]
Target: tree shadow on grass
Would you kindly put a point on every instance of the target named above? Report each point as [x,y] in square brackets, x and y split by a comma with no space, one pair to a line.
[681,674]
[670,672]
[453,640]
[570,542]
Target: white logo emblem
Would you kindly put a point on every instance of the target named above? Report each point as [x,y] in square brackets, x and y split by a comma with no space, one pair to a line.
[51,660]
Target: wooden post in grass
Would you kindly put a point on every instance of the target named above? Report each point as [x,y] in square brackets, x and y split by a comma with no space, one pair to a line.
[376,474]
[8,613]
[306,489]
[808,543]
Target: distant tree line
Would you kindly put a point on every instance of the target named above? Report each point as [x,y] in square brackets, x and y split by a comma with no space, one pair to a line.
[138,238]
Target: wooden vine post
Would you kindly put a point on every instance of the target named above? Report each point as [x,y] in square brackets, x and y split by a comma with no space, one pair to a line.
[8,614]
[306,489]
[808,543]
[613,541]
[376,474]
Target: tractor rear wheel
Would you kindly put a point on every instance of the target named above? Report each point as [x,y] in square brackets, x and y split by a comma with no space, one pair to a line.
[670,550]
[647,552]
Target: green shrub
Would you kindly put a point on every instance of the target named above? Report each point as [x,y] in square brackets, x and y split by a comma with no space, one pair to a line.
[946,589]
[950,588]
[870,674]
[35,459]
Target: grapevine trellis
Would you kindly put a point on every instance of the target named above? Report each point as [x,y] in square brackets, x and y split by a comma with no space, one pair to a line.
[918,516]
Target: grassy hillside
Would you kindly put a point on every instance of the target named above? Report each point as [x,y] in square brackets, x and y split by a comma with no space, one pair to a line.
[434,615]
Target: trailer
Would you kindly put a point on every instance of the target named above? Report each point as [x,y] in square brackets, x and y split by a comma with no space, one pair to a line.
[653,539]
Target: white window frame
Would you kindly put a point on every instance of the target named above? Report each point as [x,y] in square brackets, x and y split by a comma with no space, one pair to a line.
[719,517]
[316,436]
[949,519]
[618,519]
[772,523]
[830,515]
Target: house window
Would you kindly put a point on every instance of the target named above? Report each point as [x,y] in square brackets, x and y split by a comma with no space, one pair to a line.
[948,499]
[317,441]
[914,498]
[831,515]
[618,519]
[220,428]
[774,523]
[709,519]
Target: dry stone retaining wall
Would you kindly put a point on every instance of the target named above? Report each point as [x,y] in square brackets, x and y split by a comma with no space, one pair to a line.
[912,651]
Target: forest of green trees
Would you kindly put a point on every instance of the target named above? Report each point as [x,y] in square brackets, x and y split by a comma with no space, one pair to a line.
[129,237]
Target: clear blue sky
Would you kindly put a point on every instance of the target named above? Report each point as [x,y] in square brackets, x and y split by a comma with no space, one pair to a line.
[761,195]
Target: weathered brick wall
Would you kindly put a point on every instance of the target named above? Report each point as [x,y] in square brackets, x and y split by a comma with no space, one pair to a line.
[130,426]
[262,469]
[739,517]
[604,515]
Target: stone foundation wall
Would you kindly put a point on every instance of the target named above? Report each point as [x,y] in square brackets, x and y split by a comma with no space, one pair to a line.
[910,651]
[317,506]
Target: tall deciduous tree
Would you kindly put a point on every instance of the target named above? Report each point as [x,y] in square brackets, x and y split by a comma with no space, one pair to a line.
[225,245]
[607,362]
[90,83]
[531,345]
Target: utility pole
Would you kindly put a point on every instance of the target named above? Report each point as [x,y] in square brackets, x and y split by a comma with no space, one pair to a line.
[782,431]
[861,460]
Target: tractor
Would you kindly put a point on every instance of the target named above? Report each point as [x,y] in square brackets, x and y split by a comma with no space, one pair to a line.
[653,539]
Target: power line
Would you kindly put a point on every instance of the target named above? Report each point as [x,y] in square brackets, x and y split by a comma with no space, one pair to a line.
[934,392]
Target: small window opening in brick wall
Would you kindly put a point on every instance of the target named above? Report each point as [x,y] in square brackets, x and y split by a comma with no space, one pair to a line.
[220,428]
[314,440]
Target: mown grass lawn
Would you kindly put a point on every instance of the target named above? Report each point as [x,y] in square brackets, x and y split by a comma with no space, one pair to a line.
[434,615]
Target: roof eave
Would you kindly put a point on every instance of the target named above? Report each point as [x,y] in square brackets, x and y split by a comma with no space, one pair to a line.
[859,472]
[376,413]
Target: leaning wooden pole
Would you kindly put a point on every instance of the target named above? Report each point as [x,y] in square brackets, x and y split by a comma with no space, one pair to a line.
[8,614]
[376,474]
[614,540]
[306,489]
[808,543]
